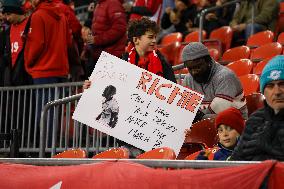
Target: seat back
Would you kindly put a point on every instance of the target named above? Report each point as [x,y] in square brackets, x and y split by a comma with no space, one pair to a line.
[254,102]
[280,21]
[241,67]
[223,34]
[194,36]
[72,153]
[171,51]
[236,53]
[209,151]
[172,38]
[214,53]
[266,51]
[113,153]
[202,132]
[259,66]
[280,38]
[250,83]
[190,148]
[158,153]
[260,38]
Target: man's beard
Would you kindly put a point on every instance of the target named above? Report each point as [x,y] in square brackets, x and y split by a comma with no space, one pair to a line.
[203,77]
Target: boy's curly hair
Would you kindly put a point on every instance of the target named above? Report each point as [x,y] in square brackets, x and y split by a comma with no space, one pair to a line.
[137,28]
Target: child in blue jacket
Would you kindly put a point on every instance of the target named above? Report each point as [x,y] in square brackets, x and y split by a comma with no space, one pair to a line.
[229,125]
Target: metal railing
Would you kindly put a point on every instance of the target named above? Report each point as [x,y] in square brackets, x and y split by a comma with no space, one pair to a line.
[82,12]
[62,132]
[20,109]
[175,164]
[211,9]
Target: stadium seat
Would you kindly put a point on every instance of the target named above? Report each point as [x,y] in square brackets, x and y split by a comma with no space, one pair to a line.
[72,153]
[190,148]
[214,53]
[241,67]
[171,38]
[194,36]
[113,153]
[171,52]
[266,51]
[280,21]
[224,35]
[236,53]
[211,152]
[202,132]
[250,83]
[260,38]
[158,153]
[280,38]
[254,102]
[259,66]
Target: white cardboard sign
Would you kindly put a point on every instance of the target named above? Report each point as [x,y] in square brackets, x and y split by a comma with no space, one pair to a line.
[151,111]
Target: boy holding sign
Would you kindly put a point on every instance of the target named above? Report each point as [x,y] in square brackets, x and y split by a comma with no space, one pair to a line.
[141,52]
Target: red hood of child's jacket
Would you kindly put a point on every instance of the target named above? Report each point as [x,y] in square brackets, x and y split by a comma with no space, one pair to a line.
[51,8]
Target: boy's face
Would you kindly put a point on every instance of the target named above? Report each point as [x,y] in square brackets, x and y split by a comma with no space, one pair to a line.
[146,43]
[227,136]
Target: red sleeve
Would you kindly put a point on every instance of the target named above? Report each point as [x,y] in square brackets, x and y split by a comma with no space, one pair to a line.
[74,23]
[35,41]
[118,25]
[153,5]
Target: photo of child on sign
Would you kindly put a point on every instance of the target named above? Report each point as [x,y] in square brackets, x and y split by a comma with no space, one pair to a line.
[110,108]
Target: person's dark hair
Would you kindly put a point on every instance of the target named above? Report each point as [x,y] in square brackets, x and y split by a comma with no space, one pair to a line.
[137,28]
[109,91]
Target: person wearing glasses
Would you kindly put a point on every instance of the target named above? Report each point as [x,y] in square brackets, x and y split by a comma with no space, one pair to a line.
[220,86]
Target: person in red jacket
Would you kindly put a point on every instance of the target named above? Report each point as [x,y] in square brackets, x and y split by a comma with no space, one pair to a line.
[150,8]
[46,46]
[108,28]
[46,51]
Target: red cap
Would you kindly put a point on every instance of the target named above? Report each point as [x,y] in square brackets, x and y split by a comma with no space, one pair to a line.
[231,117]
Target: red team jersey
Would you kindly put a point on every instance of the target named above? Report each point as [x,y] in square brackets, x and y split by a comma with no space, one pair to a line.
[16,40]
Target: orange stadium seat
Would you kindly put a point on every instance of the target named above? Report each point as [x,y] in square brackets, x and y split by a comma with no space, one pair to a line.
[214,53]
[202,132]
[266,51]
[260,38]
[259,66]
[171,38]
[241,67]
[113,153]
[72,153]
[250,83]
[280,21]
[171,52]
[194,36]
[280,38]
[210,151]
[158,153]
[254,102]
[224,35]
[236,53]
[190,148]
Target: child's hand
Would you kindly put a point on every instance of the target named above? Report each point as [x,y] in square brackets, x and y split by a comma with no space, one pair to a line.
[87,84]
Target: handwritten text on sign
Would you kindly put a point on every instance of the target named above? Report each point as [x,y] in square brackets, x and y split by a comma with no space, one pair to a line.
[151,111]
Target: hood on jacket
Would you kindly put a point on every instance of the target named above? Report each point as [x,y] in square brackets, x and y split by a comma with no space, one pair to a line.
[51,8]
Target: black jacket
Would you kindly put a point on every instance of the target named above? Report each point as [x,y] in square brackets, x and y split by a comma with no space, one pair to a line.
[263,137]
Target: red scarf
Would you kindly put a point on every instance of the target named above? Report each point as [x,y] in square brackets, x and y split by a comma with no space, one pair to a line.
[150,62]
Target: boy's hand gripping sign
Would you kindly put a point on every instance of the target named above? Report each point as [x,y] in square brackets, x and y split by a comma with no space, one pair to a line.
[137,106]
